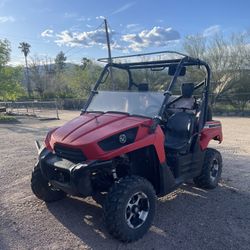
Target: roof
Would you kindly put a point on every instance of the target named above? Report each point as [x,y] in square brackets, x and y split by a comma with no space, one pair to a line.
[145,57]
[151,60]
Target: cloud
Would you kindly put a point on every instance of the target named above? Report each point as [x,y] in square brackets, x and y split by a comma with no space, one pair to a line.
[83,19]
[47,33]
[136,41]
[156,37]
[123,8]
[160,21]
[134,27]
[131,25]
[212,30]
[82,39]
[69,15]
[100,17]
[5,19]
[16,61]
[89,26]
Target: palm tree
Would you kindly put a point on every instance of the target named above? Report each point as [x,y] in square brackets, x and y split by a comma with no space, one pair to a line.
[25,48]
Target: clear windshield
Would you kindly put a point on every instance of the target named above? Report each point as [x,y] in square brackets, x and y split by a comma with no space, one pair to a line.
[134,103]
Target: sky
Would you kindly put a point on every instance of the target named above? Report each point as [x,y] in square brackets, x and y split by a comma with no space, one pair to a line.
[76,26]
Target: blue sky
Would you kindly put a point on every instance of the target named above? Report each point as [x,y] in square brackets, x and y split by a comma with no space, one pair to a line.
[76,27]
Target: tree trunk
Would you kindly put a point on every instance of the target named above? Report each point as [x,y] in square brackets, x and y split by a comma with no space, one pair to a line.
[27,78]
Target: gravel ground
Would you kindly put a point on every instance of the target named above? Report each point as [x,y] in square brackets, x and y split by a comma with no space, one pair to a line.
[189,218]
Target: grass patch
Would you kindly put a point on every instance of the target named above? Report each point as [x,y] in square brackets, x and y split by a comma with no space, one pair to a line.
[7,119]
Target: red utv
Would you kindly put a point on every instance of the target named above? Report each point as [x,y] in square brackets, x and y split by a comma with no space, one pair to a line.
[133,144]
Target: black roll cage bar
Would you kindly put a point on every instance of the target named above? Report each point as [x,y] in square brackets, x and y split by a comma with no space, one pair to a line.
[181,62]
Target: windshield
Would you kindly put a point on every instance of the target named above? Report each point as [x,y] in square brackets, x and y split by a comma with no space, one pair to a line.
[136,89]
[135,103]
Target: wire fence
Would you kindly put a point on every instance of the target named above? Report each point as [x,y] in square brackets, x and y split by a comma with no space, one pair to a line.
[39,109]
[225,105]
[231,104]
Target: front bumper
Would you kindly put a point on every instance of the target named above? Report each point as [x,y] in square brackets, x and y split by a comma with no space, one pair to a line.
[72,178]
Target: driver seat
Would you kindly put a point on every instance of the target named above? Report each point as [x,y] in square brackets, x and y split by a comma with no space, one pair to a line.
[179,132]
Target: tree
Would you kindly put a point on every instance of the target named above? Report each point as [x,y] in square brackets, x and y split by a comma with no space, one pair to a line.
[10,77]
[37,77]
[10,83]
[4,52]
[42,77]
[25,48]
[84,62]
[60,61]
[195,46]
[226,57]
[239,96]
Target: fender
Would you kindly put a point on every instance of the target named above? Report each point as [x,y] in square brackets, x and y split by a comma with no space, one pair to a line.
[211,131]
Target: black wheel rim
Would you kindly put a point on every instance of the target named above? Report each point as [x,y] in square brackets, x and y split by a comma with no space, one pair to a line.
[137,210]
[52,188]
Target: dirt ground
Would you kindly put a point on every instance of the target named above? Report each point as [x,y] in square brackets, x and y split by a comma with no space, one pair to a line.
[189,218]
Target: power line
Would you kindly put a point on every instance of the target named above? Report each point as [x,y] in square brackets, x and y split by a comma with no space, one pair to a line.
[42,42]
[68,50]
[72,48]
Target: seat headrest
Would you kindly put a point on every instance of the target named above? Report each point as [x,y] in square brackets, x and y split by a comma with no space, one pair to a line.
[187,89]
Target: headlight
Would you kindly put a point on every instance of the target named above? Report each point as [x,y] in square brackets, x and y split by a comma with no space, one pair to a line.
[119,140]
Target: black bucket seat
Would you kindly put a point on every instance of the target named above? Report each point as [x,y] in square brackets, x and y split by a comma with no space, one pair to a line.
[180,126]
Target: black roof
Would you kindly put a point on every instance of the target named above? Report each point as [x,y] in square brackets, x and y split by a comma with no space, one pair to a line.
[152,60]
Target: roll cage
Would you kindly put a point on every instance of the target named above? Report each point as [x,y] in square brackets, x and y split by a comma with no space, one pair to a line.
[160,63]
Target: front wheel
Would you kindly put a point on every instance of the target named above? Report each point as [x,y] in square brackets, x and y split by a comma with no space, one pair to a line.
[211,170]
[43,189]
[129,208]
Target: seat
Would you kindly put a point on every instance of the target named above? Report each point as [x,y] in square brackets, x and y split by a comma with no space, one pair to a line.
[178,132]
[186,101]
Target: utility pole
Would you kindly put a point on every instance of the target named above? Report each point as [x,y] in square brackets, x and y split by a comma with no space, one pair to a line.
[109,53]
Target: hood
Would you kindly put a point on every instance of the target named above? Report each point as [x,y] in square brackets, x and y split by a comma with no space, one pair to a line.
[93,127]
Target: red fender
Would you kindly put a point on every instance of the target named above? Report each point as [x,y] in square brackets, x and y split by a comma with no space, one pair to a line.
[211,131]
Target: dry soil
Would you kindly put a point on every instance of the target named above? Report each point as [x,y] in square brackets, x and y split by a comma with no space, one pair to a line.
[189,218]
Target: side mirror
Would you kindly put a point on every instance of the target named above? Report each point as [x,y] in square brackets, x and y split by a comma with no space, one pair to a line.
[172,70]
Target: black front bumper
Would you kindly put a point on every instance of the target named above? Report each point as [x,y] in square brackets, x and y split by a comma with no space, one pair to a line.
[72,178]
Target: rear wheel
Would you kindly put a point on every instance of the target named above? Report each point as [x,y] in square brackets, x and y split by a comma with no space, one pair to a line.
[43,189]
[129,208]
[211,171]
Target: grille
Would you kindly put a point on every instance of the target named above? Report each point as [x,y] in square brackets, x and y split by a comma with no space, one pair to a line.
[71,154]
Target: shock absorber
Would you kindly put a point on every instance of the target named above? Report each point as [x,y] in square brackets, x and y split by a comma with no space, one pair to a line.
[113,170]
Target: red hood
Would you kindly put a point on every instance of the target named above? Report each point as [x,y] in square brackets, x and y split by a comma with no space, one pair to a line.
[93,127]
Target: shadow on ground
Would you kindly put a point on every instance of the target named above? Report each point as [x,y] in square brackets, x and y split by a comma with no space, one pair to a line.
[189,218]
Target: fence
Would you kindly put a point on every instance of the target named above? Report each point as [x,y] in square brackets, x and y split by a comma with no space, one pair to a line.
[232,104]
[39,109]
[70,104]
